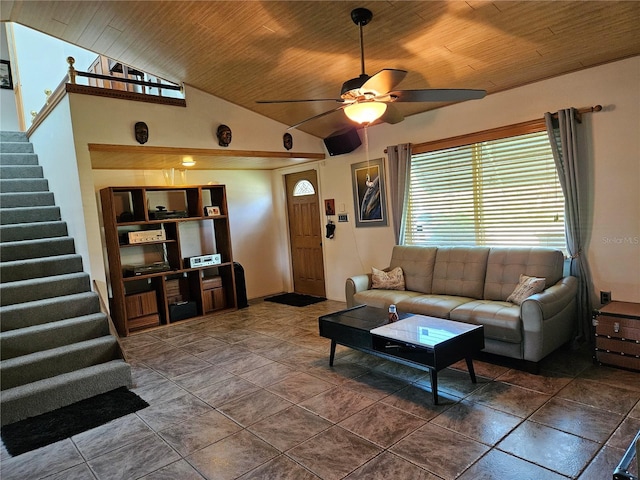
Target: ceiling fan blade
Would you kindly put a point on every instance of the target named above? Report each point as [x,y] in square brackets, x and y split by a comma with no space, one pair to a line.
[392,115]
[383,81]
[437,95]
[316,117]
[339,100]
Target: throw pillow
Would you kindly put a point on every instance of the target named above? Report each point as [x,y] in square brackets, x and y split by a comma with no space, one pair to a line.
[526,287]
[393,280]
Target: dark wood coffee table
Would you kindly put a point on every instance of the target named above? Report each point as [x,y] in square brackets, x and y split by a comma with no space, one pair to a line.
[425,342]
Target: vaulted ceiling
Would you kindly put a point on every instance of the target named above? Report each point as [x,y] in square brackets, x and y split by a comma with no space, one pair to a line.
[244,51]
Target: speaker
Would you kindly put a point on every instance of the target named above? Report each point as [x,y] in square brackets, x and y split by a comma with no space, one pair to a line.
[344,141]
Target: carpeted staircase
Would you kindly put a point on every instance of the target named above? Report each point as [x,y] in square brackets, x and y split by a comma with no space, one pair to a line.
[55,343]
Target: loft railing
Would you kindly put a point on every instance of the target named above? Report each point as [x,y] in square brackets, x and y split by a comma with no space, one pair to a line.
[73,73]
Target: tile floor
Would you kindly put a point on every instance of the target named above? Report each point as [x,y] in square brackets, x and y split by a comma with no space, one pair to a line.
[250,395]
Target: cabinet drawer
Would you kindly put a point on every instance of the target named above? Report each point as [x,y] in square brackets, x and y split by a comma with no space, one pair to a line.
[143,322]
[209,283]
[618,327]
[618,346]
[623,361]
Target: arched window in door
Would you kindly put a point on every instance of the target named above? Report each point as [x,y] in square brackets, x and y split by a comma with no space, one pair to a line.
[303,187]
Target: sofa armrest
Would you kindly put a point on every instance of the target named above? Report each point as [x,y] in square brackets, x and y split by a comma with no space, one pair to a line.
[355,284]
[551,301]
[548,319]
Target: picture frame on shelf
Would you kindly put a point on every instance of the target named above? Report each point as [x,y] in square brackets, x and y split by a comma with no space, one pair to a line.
[6,80]
[369,195]
[212,211]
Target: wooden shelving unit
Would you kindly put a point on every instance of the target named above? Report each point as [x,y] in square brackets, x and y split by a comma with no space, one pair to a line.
[152,282]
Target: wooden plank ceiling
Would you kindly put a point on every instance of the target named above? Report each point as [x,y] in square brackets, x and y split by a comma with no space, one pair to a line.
[245,51]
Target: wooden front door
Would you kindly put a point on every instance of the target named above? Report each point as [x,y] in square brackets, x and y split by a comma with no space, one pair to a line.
[305,233]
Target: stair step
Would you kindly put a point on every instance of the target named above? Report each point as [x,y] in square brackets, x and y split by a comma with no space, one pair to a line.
[20,171]
[39,312]
[12,216]
[16,147]
[42,247]
[25,341]
[40,267]
[56,361]
[32,231]
[26,199]
[49,394]
[18,158]
[24,185]
[46,287]
[8,136]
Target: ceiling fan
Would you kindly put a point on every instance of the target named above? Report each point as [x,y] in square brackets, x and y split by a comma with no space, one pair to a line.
[366,99]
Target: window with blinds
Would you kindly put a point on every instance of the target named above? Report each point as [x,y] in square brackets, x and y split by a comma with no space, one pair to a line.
[499,192]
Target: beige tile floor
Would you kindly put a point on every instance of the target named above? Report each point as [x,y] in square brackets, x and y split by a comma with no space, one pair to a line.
[250,395]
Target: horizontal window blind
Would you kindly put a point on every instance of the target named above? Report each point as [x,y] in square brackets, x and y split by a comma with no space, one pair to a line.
[502,192]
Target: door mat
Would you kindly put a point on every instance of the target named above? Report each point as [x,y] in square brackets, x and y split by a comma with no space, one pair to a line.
[50,427]
[295,299]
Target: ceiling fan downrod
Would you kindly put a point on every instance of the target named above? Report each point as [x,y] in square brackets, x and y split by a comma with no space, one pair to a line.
[361,17]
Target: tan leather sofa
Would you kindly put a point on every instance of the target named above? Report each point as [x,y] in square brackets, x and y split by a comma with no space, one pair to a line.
[472,284]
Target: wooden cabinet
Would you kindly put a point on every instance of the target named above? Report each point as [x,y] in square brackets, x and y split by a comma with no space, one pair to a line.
[168,259]
[617,332]
[142,310]
[213,297]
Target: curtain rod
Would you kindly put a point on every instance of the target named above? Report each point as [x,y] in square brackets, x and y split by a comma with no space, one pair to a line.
[580,111]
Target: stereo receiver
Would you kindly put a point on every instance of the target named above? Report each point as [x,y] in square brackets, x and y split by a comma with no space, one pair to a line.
[144,236]
[203,261]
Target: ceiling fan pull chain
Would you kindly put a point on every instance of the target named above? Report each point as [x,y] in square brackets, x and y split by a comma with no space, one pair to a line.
[368,181]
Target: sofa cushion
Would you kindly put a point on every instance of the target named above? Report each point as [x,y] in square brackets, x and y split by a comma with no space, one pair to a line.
[382,298]
[431,305]
[460,271]
[392,280]
[501,320]
[417,265]
[526,287]
[505,265]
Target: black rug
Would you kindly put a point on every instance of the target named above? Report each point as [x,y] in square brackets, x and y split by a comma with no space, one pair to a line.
[35,432]
[295,299]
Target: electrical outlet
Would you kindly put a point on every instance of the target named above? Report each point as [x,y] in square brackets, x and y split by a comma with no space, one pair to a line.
[605,297]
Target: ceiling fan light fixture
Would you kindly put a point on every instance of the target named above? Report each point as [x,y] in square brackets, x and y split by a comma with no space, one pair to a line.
[365,112]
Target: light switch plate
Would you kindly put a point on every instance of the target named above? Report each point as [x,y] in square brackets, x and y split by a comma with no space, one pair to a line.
[342,217]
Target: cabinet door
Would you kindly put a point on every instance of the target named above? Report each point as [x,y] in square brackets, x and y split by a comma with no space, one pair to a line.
[133,306]
[148,303]
[213,299]
[141,304]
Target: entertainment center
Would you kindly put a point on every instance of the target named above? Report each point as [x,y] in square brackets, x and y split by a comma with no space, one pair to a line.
[169,254]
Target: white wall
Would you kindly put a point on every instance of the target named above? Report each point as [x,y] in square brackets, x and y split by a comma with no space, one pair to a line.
[612,161]
[53,143]
[42,62]
[8,107]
